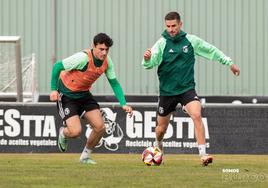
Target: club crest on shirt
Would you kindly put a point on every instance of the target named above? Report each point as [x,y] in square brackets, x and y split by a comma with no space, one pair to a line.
[185,49]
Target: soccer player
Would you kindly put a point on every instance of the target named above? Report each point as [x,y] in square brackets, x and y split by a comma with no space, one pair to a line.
[174,55]
[71,81]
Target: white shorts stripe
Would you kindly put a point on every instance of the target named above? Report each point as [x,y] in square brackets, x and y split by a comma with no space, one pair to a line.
[61,111]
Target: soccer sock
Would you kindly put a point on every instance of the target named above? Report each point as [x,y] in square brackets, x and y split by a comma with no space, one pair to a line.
[86,152]
[202,150]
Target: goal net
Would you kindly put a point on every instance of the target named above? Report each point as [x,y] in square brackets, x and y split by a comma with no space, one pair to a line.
[18,75]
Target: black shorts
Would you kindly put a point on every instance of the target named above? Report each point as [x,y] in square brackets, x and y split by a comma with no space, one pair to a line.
[167,104]
[69,107]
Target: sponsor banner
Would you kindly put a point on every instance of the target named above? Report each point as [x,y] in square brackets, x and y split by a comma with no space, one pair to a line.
[228,129]
[26,128]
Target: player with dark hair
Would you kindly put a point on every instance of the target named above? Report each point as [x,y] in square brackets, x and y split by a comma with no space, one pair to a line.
[174,55]
[71,81]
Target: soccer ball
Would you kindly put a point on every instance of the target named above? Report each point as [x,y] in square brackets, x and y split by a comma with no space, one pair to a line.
[152,156]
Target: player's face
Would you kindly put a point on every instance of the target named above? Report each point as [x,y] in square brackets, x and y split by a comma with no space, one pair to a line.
[100,51]
[173,27]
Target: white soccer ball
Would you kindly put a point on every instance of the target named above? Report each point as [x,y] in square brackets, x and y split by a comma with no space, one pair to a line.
[152,156]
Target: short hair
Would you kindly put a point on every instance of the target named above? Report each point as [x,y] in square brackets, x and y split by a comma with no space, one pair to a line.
[173,16]
[102,38]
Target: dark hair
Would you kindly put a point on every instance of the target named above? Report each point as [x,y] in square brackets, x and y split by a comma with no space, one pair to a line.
[103,38]
[173,16]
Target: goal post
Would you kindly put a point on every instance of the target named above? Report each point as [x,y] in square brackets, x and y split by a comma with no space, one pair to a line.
[16,41]
[17,73]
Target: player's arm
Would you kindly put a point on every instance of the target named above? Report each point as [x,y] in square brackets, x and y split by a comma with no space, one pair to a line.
[153,57]
[57,68]
[208,51]
[117,89]
[76,61]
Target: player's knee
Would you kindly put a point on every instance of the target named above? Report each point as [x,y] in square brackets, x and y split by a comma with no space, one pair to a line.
[196,116]
[75,133]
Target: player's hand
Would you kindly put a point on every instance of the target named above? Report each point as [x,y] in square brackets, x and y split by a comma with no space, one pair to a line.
[54,96]
[235,69]
[128,109]
[147,54]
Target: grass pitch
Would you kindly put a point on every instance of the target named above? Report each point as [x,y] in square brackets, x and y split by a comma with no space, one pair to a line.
[127,170]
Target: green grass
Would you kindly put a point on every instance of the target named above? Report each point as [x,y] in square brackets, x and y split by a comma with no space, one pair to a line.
[127,170]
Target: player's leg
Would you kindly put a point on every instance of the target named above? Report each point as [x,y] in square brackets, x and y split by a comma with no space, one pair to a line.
[166,106]
[72,129]
[94,118]
[160,130]
[193,108]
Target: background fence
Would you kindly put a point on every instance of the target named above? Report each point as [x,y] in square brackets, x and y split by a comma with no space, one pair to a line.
[54,29]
